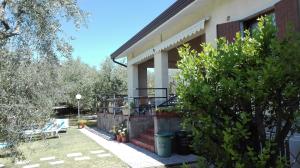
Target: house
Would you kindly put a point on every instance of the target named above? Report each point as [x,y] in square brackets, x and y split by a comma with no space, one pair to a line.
[193,22]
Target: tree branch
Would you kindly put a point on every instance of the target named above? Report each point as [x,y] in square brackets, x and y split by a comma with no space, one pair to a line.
[7,31]
[4,35]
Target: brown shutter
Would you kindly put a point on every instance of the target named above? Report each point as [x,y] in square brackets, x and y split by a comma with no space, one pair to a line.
[228,30]
[287,12]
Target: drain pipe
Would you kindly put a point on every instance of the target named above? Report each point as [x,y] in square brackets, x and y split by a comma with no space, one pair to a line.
[119,63]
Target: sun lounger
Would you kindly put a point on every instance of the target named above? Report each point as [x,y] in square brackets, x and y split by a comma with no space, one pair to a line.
[65,125]
[33,133]
[3,145]
[37,133]
[53,131]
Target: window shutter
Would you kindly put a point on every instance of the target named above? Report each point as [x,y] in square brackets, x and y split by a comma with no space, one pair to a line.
[287,12]
[228,30]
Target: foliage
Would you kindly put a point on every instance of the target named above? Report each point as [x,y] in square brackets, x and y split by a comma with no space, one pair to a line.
[77,77]
[31,41]
[122,129]
[169,109]
[236,92]
[35,25]
[111,79]
[27,95]
[114,130]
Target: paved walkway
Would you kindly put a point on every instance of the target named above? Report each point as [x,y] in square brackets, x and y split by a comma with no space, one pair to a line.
[137,157]
[52,160]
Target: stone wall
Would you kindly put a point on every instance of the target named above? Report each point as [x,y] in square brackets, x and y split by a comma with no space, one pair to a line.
[136,124]
[106,121]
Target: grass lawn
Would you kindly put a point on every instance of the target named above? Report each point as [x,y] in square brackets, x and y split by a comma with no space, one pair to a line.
[71,142]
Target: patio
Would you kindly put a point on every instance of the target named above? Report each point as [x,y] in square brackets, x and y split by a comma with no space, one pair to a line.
[89,148]
[137,157]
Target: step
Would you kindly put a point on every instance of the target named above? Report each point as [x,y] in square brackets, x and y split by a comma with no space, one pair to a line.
[147,141]
[148,137]
[144,145]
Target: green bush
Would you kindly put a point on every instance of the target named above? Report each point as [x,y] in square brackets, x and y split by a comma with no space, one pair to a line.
[237,90]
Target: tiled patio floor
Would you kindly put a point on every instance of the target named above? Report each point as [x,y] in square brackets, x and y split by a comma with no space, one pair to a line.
[137,157]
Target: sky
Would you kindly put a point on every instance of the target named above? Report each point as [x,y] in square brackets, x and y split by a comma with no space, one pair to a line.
[110,24]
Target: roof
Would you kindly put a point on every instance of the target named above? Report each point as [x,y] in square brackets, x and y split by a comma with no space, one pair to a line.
[174,9]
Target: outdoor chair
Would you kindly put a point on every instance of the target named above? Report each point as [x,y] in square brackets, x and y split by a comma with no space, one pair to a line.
[3,145]
[53,131]
[37,133]
[65,124]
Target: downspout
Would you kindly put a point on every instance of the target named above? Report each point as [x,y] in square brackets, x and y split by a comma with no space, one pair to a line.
[119,63]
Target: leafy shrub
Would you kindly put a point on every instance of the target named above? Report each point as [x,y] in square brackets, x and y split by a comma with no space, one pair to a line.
[237,91]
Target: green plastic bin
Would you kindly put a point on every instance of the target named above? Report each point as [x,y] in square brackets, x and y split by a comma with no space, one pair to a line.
[164,144]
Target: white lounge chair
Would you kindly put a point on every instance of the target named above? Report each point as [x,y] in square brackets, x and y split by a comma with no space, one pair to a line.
[37,133]
[53,131]
[65,124]
[3,145]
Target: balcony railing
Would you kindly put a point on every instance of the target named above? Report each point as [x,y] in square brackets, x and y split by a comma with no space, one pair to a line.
[141,105]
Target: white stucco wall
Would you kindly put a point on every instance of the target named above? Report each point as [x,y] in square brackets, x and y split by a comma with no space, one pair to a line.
[217,10]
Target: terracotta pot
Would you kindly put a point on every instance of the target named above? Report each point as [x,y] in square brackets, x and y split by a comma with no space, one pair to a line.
[119,138]
[80,126]
[124,139]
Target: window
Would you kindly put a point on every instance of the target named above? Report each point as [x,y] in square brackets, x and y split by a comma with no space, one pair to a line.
[252,23]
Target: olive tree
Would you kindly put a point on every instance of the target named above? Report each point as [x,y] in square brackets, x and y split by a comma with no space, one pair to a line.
[31,42]
[242,97]
[77,77]
[111,79]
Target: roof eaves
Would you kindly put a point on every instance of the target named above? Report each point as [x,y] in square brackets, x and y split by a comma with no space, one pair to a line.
[158,21]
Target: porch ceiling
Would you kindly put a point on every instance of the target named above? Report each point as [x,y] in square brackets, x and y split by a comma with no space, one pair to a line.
[173,56]
[176,40]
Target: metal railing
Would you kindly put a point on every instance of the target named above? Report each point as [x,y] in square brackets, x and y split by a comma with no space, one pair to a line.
[111,103]
[172,101]
[141,105]
[144,104]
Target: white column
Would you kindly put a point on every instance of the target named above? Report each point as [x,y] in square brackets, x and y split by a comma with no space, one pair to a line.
[142,79]
[133,82]
[161,74]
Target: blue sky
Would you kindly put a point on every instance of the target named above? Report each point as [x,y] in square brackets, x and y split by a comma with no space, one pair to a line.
[110,24]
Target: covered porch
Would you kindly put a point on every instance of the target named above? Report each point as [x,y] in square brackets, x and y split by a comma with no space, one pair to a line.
[156,52]
[161,59]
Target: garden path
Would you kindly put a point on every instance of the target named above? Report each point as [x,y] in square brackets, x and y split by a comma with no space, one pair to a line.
[137,157]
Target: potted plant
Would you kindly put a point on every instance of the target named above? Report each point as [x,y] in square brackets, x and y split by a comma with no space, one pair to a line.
[124,135]
[119,136]
[81,123]
[167,112]
[114,132]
